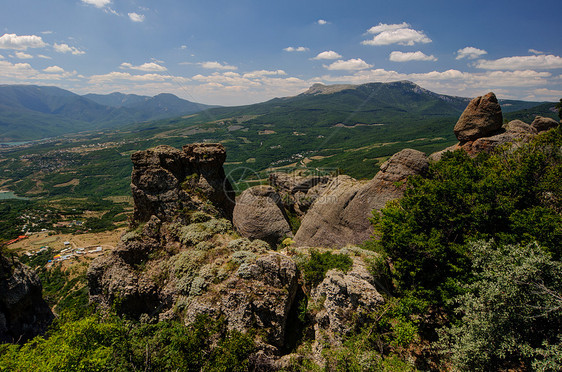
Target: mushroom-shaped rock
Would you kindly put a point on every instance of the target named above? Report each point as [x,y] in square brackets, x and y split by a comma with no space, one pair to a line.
[541,123]
[259,214]
[482,117]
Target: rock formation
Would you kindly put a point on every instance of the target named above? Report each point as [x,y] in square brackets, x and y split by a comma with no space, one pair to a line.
[23,312]
[259,214]
[482,117]
[298,192]
[165,180]
[478,130]
[340,215]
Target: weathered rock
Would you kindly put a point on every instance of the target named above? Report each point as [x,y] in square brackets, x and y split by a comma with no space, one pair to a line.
[482,117]
[340,216]
[259,296]
[296,191]
[541,123]
[165,180]
[517,126]
[259,214]
[23,312]
[347,301]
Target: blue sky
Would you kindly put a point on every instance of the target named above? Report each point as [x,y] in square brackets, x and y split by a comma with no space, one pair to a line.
[246,51]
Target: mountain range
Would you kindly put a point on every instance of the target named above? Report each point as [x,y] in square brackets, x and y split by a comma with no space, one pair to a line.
[29,112]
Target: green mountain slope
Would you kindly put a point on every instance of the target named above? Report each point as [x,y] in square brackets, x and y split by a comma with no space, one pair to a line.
[34,112]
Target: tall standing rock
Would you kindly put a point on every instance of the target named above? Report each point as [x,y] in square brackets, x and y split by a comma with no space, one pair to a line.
[340,216]
[482,117]
[166,180]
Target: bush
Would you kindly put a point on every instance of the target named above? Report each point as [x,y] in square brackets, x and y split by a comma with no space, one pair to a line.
[317,266]
[511,315]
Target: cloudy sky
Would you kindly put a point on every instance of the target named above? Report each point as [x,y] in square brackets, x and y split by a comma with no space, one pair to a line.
[233,52]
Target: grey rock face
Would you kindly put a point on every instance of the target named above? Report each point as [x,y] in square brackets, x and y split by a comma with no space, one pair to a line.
[482,117]
[165,180]
[541,123]
[517,126]
[340,216]
[259,214]
[23,312]
[298,192]
[347,301]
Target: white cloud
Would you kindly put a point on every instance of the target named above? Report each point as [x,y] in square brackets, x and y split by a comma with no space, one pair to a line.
[401,36]
[135,17]
[1,56]
[43,56]
[183,47]
[65,48]
[214,65]
[470,53]
[410,56]
[115,76]
[97,3]
[48,32]
[349,65]
[534,51]
[322,22]
[296,49]
[13,41]
[541,62]
[147,67]
[261,73]
[54,70]
[329,54]
[22,55]
[382,27]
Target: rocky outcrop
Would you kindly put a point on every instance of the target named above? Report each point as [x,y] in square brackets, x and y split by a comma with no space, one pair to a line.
[482,117]
[259,214]
[340,216]
[347,300]
[541,123]
[165,180]
[479,128]
[23,312]
[298,192]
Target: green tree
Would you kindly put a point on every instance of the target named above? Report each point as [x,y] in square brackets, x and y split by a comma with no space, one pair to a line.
[559,107]
[511,315]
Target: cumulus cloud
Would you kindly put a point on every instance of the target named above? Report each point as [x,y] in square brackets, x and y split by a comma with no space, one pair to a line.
[296,49]
[214,65]
[400,34]
[97,3]
[411,56]
[147,67]
[470,53]
[1,56]
[322,22]
[116,75]
[22,55]
[13,41]
[349,65]
[534,51]
[329,54]
[54,70]
[43,56]
[382,27]
[65,48]
[135,17]
[541,62]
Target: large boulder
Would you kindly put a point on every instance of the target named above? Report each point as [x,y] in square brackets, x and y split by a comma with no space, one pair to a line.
[259,214]
[340,216]
[541,123]
[23,312]
[165,180]
[482,117]
[517,126]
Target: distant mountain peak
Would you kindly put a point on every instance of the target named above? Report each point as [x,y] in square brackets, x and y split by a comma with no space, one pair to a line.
[319,88]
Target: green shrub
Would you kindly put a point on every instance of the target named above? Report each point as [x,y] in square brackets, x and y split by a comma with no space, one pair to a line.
[315,268]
